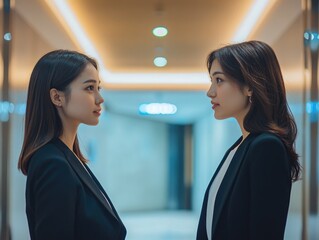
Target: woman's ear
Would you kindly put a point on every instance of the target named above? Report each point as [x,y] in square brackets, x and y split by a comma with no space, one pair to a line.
[56,97]
[248,91]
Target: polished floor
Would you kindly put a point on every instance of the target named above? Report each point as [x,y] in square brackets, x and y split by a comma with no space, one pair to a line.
[168,225]
[181,225]
[175,225]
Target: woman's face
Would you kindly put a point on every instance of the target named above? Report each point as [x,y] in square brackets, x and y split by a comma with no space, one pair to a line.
[227,99]
[83,103]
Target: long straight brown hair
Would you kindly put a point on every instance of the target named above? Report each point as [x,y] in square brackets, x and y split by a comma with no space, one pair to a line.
[56,69]
[254,64]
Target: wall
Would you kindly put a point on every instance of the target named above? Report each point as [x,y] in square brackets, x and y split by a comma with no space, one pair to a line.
[129,157]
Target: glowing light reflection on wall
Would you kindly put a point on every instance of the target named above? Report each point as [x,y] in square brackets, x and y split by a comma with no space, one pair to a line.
[157,108]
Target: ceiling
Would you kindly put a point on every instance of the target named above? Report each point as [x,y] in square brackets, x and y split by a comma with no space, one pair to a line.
[121,33]
[125,40]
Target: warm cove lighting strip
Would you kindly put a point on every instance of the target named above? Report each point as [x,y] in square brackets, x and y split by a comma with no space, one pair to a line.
[61,9]
[64,13]
[258,9]
[155,78]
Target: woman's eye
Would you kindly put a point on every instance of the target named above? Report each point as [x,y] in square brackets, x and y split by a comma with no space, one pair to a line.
[218,80]
[90,88]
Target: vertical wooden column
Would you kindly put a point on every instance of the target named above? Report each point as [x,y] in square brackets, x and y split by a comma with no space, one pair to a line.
[310,119]
[305,205]
[5,124]
[313,204]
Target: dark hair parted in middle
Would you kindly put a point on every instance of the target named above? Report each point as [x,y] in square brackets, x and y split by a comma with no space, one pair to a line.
[254,64]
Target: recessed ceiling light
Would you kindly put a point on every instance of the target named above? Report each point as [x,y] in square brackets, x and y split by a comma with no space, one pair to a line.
[160,62]
[160,31]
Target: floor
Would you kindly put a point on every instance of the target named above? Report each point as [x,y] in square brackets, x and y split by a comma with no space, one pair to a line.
[182,225]
[169,225]
[174,225]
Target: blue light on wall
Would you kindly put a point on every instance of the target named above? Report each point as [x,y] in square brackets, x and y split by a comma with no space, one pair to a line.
[313,110]
[157,108]
[7,108]
[7,36]
[311,39]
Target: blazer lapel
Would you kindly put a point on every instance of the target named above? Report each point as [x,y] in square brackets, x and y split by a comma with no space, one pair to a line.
[229,178]
[84,176]
[103,191]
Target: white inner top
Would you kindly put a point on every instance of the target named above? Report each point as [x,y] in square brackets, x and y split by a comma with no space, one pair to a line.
[213,192]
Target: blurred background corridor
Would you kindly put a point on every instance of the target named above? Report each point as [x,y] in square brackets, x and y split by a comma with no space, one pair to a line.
[158,144]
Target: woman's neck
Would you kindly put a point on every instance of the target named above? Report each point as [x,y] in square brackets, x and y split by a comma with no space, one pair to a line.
[69,133]
[245,134]
[243,130]
[68,137]
[68,141]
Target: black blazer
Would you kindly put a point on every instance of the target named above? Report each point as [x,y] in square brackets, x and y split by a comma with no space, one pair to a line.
[64,202]
[253,199]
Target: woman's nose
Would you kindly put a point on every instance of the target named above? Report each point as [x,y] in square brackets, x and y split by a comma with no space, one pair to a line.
[99,99]
[211,92]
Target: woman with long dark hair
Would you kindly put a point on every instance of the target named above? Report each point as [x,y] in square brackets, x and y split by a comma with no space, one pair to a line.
[248,196]
[64,200]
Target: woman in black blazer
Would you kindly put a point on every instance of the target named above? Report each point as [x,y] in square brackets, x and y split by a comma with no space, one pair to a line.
[64,200]
[248,196]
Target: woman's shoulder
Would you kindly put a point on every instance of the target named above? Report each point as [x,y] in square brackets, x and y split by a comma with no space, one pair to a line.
[48,154]
[268,141]
[47,150]
[266,137]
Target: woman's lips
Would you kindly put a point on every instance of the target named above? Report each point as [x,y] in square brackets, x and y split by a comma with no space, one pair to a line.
[98,112]
[214,105]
